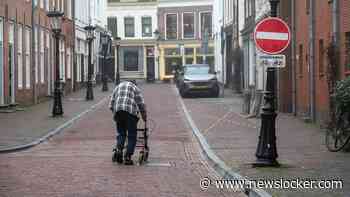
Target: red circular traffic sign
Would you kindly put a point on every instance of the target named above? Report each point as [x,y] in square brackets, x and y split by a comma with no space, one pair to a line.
[272,35]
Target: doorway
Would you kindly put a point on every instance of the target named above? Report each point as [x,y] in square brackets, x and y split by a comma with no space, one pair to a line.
[11,74]
[150,64]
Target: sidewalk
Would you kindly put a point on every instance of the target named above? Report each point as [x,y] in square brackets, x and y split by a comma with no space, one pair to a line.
[301,148]
[26,128]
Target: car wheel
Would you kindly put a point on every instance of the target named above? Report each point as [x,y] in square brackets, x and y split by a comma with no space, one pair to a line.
[216,92]
[182,92]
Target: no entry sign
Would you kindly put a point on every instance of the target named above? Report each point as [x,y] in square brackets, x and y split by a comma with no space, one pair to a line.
[272,35]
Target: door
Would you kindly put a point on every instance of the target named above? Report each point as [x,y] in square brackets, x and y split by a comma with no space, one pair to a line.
[11,63]
[1,63]
[150,69]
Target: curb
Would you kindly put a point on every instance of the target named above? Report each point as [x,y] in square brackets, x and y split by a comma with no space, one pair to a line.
[219,165]
[53,131]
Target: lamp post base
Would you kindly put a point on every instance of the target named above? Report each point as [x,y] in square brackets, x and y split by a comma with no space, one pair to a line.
[89,92]
[265,163]
[104,85]
[57,105]
[117,80]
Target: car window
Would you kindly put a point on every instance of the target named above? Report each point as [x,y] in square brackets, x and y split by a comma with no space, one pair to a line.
[196,70]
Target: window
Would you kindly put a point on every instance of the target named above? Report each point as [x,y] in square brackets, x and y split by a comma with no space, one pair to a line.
[188,25]
[131,59]
[36,54]
[301,62]
[347,51]
[27,57]
[112,26]
[69,9]
[206,23]
[307,6]
[20,57]
[171,26]
[146,26]
[321,56]
[129,27]
[68,63]
[62,61]
[42,69]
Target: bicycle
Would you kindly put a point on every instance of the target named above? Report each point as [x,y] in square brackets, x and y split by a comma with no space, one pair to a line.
[338,136]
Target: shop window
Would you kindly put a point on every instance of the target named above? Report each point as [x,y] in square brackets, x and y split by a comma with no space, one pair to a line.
[172,51]
[129,27]
[206,23]
[188,25]
[131,60]
[171,63]
[146,27]
[171,26]
[189,60]
[189,51]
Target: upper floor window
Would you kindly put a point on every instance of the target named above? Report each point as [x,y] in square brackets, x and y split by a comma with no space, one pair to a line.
[112,26]
[129,27]
[206,23]
[146,26]
[171,26]
[188,25]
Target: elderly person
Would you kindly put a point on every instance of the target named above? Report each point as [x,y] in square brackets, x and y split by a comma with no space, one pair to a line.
[126,103]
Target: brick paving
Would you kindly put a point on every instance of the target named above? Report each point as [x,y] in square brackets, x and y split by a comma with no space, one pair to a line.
[301,147]
[77,162]
[23,127]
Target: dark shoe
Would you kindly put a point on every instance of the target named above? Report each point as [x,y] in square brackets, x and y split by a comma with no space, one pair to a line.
[117,156]
[128,161]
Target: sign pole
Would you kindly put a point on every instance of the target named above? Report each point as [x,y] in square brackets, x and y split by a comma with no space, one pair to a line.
[266,152]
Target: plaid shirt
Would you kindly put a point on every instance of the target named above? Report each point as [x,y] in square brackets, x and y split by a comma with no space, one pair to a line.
[127,97]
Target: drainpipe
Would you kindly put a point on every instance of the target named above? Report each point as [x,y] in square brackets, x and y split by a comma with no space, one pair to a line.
[312,61]
[35,100]
[335,30]
[294,62]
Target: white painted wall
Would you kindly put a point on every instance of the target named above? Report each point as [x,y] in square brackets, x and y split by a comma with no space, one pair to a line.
[217,23]
[137,12]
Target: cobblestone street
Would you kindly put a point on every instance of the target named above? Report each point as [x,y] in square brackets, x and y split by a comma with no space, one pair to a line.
[77,162]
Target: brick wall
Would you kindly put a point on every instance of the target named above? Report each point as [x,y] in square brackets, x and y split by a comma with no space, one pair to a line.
[344,27]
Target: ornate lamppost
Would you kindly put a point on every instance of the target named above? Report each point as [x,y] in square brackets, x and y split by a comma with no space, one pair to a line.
[266,152]
[104,42]
[90,37]
[56,22]
[157,37]
[117,78]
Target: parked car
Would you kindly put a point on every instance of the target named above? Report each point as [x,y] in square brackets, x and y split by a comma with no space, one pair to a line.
[197,78]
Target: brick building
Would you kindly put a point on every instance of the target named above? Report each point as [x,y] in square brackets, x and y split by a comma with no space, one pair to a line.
[27,50]
[316,24]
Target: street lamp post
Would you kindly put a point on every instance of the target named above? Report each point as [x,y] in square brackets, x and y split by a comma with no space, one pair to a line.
[104,42]
[266,152]
[117,78]
[156,34]
[90,37]
[56,20]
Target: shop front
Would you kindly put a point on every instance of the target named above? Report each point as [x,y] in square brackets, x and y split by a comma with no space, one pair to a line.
[177,55]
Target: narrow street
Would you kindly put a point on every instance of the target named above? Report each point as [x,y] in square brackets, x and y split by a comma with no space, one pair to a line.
[77,162]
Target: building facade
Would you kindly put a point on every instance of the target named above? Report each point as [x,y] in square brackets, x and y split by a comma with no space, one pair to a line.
[134,23]
[186,30]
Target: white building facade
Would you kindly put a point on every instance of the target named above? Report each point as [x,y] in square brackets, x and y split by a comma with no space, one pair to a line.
[134,22]
[88,13]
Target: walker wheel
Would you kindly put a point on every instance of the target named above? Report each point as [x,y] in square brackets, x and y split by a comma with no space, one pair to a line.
[146,156]
[141,158]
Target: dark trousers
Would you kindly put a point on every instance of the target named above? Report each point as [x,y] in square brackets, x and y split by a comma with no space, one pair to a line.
[126,127]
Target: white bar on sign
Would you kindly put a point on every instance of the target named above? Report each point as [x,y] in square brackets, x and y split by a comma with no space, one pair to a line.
[272,35]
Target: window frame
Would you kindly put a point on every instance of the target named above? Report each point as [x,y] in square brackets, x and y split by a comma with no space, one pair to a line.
[200,23]
[177,25]
[142,26]
[183,25]
[133,27]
